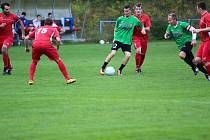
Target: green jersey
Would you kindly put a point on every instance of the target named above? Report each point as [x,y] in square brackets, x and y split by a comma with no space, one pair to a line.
[124,29]
[180,33]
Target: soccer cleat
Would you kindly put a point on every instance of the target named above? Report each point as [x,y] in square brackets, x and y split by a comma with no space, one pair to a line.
[138,70]
[207,77]
[195,70]
[30,82]
[119,73]
[7,71]
[70,81]
[101,71]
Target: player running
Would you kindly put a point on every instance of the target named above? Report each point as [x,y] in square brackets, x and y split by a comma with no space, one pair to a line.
[182,33]
[123,38]
[203,52]
[141,40]
[7,20]
[42,45]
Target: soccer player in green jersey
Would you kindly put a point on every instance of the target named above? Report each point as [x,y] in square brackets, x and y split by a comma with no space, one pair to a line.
[182,33]
[123,32]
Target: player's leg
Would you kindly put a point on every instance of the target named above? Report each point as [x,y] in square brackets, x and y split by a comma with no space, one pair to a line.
[187,55]
[137,46]
[115,47]
[5,47]
[143,52]
[36,53]
[52,53]
[127,52]
[206,58]
[198,60]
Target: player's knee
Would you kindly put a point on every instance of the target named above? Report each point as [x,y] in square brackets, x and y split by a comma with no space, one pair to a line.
[182,55]
[197,60]
[4,49]
[57,60]
[35,61]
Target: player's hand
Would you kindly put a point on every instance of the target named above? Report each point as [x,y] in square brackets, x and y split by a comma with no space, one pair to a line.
[27,50]
[23,36]
[193,42]
[196,31]
[143,31]
[3,25]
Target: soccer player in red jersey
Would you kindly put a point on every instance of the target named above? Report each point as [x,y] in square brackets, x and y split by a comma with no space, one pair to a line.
[141,40]
[42,45]
[7,19]
[203,52]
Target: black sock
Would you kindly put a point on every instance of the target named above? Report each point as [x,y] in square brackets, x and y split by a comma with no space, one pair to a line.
[104,65]
[201,68]
[121,67]
[189,60]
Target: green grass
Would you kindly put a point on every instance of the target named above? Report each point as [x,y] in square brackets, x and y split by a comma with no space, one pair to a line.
[166,102]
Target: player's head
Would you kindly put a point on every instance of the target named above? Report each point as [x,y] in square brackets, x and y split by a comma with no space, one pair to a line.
[23,14]
[172,19]
[5,8]
[127,10]
[201,6]
[49,15]
[38,17]
[48,21]
[138,9]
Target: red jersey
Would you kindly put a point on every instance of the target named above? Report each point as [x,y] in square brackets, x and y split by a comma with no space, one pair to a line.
[44,34]
[205,22]
[145,20]
[9,19]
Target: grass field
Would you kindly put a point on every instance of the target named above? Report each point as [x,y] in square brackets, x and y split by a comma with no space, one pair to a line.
[165,102]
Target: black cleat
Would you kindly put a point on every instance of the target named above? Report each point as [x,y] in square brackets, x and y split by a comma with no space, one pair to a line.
[138,70]
[195,70]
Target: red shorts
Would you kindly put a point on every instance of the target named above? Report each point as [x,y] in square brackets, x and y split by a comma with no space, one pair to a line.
[142,44]
[6,41]
[48,50]
[203,51]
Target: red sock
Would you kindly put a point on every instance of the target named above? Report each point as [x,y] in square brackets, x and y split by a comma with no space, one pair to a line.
[32,70]
[142,60]
[138,59]
[62,68]
[208,69]
[6,61]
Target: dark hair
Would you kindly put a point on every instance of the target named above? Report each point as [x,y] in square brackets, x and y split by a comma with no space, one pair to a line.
[48,21]
[201,5]
[49,14]
[38,15]
[173,15]
[127,6]
[139,5]
[4,4]
[23,13]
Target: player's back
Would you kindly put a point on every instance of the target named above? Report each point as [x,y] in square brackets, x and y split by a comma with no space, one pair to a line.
[44,34]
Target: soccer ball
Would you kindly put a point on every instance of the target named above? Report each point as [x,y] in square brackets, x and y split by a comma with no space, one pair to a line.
[109,71]
[102,42]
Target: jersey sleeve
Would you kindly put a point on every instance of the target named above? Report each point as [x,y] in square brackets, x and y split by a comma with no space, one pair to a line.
[139,24]
[207,21]
[184,24]
[148,22]
[56,33]
[32,34]
[168,30]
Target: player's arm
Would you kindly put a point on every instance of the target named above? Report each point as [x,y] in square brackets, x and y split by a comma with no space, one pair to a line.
[143,30]
[148,24]
[57,38]
[167,34]
[22,28]
[2,25]
[207,29]
[31,35]
[194,34]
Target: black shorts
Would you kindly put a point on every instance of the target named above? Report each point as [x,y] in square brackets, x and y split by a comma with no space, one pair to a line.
[125,47]
[187,48]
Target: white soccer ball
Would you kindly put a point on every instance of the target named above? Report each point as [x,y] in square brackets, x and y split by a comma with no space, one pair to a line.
[109,71]
[102,42]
